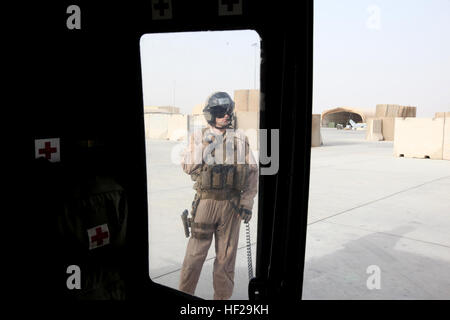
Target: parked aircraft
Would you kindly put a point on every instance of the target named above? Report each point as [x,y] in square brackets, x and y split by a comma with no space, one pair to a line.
[357,125]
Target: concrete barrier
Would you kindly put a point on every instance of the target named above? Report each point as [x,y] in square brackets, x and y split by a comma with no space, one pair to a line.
[165,126]
[177,127]
[419,138]
[198,108]
[442,115]
[374,130]
[248,122]
[253,101]
[156,125]
[388,128]
[387,113]
[196,121]
[316,136]
[246,100]
[446,142]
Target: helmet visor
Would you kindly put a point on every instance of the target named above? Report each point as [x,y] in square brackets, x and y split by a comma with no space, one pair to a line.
[221,111]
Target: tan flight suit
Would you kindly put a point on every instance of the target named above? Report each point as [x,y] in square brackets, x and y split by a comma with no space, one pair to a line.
[215,214]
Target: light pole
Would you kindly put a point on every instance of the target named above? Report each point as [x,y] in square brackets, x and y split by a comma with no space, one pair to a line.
[174,93]
[254,77]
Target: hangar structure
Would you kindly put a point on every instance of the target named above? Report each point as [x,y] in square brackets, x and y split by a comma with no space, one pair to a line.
[342,115]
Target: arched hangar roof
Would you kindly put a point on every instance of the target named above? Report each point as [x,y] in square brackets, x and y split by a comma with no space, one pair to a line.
[365,113]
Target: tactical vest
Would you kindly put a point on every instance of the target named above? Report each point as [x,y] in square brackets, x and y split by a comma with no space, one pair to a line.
[222,181]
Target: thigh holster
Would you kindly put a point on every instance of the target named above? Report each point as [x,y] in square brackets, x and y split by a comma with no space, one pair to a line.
[203,231]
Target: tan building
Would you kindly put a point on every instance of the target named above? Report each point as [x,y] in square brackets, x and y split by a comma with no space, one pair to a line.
[395,110]
[198,109]
[161,109]
[247,103]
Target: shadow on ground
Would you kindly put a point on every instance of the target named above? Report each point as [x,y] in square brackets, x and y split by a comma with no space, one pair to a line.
[342,275]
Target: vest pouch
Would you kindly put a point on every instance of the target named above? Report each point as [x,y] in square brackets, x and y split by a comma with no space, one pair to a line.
[217,177]
[206,177]
[240,177]
[229,179]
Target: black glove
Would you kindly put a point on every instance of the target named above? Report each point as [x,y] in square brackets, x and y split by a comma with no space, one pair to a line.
[245,214]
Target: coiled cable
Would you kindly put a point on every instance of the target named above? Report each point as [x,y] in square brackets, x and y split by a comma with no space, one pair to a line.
[249,251]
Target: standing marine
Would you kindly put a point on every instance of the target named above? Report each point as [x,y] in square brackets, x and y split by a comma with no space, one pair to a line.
[219,160]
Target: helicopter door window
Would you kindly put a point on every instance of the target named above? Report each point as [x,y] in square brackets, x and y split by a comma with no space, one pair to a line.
[182,73]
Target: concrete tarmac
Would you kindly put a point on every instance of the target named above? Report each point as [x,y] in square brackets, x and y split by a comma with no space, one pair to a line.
[367,211]
[368,208]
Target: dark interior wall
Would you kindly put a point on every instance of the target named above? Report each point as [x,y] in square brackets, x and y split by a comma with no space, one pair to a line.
[86,84]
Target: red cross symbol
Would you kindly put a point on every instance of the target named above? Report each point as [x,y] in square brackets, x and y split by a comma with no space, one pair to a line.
[48,150]
[99,236]
[161,6]
[229,3]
